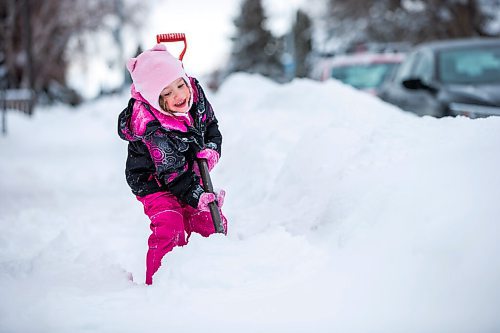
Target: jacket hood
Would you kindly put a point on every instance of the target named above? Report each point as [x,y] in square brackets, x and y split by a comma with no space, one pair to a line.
[126,128]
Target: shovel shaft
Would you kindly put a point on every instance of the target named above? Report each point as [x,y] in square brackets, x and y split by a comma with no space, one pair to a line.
[208,187]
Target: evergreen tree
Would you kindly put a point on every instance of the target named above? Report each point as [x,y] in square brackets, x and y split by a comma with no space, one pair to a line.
[347,20]
[255,49]
[302,42]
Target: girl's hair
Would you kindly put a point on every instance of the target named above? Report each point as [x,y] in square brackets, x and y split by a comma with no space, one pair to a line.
[162,104]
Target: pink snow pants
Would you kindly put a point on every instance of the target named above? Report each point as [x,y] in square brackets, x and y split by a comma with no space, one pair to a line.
[171,225]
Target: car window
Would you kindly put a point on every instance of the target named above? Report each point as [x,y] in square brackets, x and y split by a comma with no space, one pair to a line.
[470,66]
[405,69]
[363,76]
[424,67]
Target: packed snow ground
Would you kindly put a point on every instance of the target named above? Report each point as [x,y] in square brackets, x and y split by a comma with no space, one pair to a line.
[346,214]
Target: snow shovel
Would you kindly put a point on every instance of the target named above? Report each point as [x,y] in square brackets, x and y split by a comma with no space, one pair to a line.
[202,163]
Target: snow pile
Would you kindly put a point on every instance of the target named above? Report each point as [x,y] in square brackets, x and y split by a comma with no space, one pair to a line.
[345,214]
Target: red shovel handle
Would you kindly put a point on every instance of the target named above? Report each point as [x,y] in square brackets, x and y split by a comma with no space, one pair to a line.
[173,37]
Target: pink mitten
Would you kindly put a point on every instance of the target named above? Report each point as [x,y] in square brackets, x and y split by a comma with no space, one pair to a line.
[207,198]
[210,155]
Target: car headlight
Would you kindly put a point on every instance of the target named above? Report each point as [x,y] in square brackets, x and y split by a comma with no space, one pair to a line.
[475,109]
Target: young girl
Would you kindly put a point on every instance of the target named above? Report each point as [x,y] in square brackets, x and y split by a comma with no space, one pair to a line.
[169,124]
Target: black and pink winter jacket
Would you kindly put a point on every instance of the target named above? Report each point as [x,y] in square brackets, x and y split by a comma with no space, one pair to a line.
[162,148]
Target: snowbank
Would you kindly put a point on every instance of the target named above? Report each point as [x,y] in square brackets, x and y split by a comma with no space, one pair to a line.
[345,214]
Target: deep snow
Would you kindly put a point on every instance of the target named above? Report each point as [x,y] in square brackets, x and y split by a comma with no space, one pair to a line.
[346,214]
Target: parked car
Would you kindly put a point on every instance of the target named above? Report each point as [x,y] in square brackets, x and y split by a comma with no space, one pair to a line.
[448,78]
[364,71]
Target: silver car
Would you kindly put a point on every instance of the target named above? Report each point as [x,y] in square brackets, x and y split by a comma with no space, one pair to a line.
[449,78]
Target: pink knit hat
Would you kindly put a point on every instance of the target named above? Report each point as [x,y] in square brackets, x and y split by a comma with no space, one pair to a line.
[153,70]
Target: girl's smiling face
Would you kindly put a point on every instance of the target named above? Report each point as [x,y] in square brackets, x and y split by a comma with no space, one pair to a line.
[175,97]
